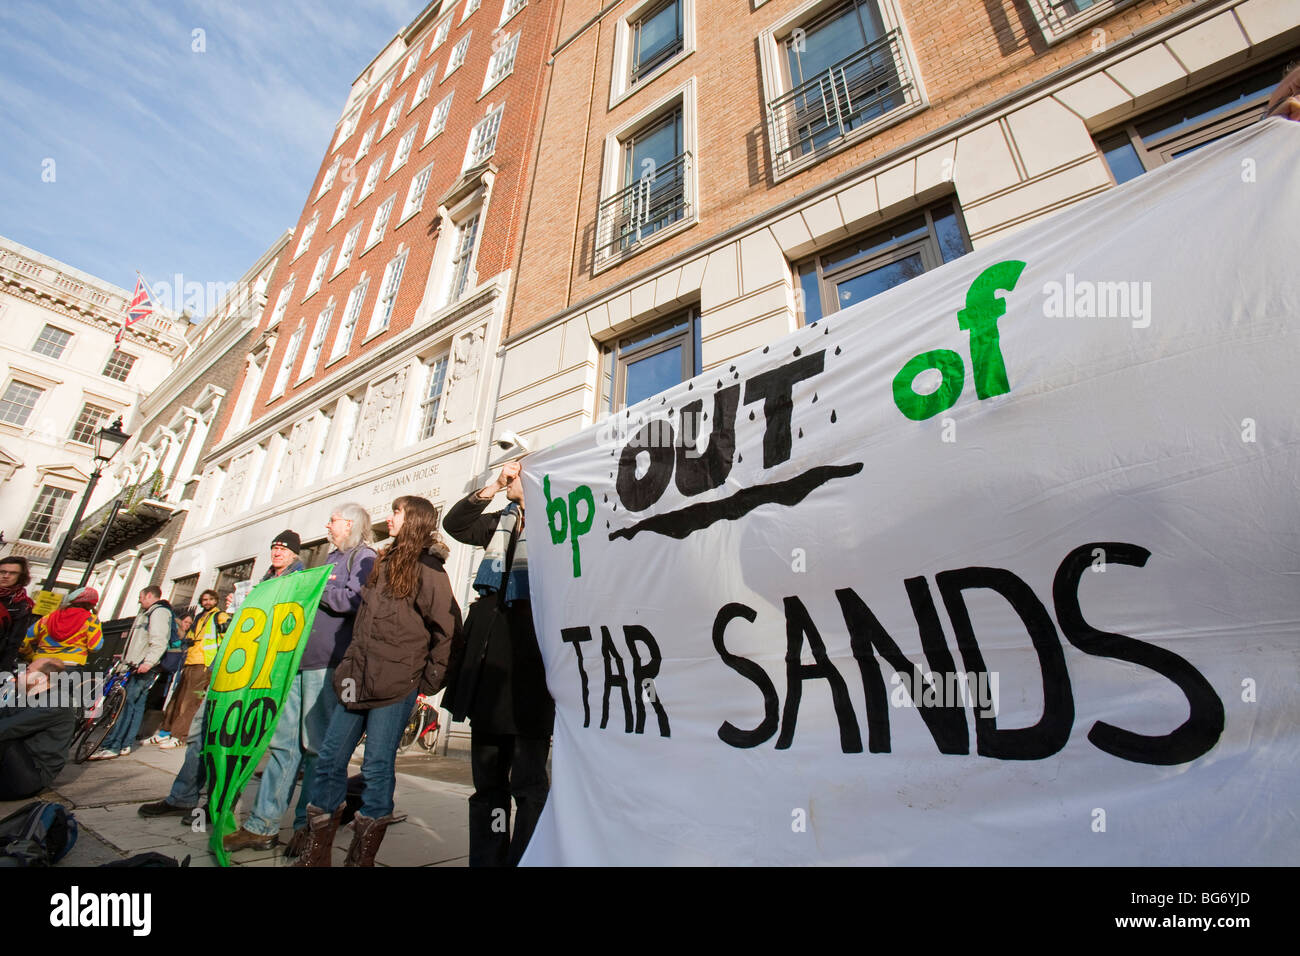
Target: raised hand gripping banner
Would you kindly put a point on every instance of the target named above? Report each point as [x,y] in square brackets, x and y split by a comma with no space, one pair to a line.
[254,667]
[1001,566]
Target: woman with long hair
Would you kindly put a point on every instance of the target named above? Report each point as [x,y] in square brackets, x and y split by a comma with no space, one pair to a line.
[400,642]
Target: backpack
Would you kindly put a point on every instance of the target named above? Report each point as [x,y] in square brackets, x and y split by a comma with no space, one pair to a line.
[38,834]
[174,657]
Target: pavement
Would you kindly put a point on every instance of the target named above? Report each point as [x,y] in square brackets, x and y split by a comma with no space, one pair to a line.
[105,796]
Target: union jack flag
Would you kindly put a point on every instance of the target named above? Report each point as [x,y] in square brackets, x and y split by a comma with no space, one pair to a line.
[140,307]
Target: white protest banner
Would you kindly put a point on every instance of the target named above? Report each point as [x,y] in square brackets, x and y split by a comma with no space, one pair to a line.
[1001,566]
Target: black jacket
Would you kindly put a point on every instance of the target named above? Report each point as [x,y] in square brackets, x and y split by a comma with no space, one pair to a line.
[501,682]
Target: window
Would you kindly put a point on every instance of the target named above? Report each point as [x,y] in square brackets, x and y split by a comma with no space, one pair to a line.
[282,303]
[435,378]
[51,505]
[351,312]
[411,62]
[466,234]
[510,8]
[394,114]
[52,342]
[366,141]
[1165,134]
[651,360]
[349,127]
[470,7]
[384,91]
[380,222]
[656,37]
[502,62]
[119,365]
[426,84]
[403,149]
[317,342]
[372,176]
[387,298]
[183,590]
[17,404]
[308,231]
[652,183]
[832,78]
[438,122]
[349,246]
[286,364]
[342,208]
[868,265]
[440,34]
[90,421]
[483,138]
[318,274]
[415,193]
[328,181]
[1057,18]
[457,56]
[232,574]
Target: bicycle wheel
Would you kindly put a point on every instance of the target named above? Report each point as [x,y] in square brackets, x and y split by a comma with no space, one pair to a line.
[412,730]
[427,738]
[96,735]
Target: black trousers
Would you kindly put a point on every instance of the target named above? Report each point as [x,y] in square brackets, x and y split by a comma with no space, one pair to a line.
[505,766]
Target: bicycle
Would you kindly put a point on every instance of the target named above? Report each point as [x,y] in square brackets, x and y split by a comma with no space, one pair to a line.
[94,727]
[423,728]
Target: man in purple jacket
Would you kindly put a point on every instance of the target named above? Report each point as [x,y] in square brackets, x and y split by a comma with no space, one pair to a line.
[311,701]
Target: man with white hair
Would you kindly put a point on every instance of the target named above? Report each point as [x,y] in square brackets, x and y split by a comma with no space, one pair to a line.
[312,701]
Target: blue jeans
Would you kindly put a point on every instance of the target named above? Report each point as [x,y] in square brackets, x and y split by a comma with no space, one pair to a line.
[128,723]
[185,789]
[298,738]
[383,728]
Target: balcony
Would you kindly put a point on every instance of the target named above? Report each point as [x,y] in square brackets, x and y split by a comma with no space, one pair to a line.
[627,219]
[817,117]
[142,514]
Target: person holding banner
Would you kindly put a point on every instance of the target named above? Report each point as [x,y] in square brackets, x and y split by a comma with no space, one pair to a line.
[307,711]
[400,643]
[497,679]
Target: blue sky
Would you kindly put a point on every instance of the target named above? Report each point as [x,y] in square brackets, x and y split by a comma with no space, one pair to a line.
[166,159]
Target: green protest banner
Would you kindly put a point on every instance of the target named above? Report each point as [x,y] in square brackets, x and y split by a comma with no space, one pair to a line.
[254,667]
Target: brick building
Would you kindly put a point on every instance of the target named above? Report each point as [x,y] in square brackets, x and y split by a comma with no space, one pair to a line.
[371,372]
[711,176]
[145,499]
[63,377]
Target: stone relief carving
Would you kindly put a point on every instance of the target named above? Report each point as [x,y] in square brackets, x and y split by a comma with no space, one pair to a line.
[466,358]
[295,455]
[376,424]
[232,489]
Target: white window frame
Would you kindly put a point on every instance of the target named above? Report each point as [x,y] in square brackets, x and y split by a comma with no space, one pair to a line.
[385,91]
[438,118]
[502,63]
[318,273]
[394,115]
[62,348]
[379,225]
[415,193]
[621,85]
[345,198]
[1056,26]
[347,329]
[286,363]
[435,370]
[440,33]
[412,62]
[611,181]
[470,7]
[773,69]
[422,90]
[348,249]
[282,302]
[330,175]
[308,232]
[386,301]
[348,128]
[509,9]
[372,177]
[474,155]
[316,343]
[402,152]
[36,401]
[456,241]
[367,141]
[98,422]
[454,62]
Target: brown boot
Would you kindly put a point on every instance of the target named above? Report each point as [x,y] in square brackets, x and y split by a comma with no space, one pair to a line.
[368,834]
[320,843]
[298,843]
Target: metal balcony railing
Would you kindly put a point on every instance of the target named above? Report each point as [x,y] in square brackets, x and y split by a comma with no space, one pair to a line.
[816,116]
[636,212]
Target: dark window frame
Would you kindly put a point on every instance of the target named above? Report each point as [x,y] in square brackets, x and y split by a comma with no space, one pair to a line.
[650,340]
[640,72]
[45,516]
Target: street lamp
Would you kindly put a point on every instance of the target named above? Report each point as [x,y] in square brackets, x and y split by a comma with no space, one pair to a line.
[107,442]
